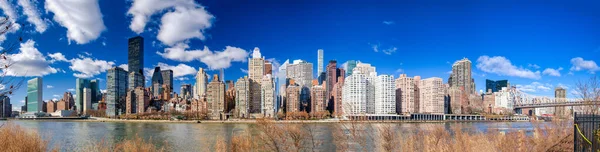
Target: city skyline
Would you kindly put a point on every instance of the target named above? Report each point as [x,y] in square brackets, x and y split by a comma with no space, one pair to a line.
[408,41]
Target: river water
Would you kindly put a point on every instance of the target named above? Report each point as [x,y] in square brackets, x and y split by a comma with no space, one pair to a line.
[71,135]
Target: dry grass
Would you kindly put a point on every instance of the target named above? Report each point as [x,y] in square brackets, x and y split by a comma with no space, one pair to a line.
[137,144]
[15,138]
[369,137]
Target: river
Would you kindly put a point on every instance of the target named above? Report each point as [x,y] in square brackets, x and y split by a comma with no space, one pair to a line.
[71,135]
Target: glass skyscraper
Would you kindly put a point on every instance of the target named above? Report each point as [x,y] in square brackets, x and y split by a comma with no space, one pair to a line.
[349,66]
[136,55]
[81,84]
[116,87]
[495,86]
[34,95]
[94,92]
[167,76]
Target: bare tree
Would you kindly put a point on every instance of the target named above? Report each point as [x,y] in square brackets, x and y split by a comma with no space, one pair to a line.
[8,84]
[588,91]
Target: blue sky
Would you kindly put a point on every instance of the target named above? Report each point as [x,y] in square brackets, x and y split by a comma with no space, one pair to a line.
[536,45]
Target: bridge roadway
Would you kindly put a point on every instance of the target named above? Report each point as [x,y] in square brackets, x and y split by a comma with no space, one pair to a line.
[556,104]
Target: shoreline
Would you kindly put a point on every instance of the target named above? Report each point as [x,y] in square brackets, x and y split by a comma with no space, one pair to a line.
[252,121]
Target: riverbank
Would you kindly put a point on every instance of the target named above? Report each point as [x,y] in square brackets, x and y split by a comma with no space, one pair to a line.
[254,121]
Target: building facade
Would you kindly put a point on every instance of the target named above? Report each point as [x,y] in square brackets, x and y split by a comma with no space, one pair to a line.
[34,95]
[461,76]
[405,94]
[167,76]
[495,86]
[385,95]
[215,97]
[432,95]
[116,91]
[136,55]
[292,98]
[350,67]
[318,96]
[201,81]
[354,94]
[242,91]
[268,96]
[320,61]
[256,69]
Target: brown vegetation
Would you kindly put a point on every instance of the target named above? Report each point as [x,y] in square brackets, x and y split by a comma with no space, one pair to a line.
[15,138]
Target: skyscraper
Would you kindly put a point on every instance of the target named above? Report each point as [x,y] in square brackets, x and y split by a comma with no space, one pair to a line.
[95,92]
[385,94]
[320,61]
[268,68]
[256,67]
[201,81]
[5,106]
[350,67]
[34,95]
[157,79]
[116,88]
[332,75]
[292,98]
[432,95]
[79,93]
[302,72]
[215,97]
[495,86]
[461,76]
[167,76]
[87,100]
[242,91]
[318,96]
[560,95]
[405,94]
[135,80]
[337,98]
[136,55]
[354,94]
[268,96]
[186,91]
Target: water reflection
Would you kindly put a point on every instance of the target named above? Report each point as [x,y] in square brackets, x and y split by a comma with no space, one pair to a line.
[71,136]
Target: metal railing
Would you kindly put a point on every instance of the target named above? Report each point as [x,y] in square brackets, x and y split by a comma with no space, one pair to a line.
[585,132]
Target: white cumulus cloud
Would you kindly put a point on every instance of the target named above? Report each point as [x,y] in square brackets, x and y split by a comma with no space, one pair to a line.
[82,18]
[9,11]
[57,57]
[28,62]
[182,20]
[49,86]
[213,59]
[124,67]
[502,66]
[179,70]
[534,87]
[87,67]
[552,72]
[33,16]
[579,64]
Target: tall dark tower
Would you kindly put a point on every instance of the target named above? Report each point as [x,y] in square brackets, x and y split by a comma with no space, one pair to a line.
[136,55]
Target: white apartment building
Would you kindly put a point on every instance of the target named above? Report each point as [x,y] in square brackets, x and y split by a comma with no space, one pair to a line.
[385,95]
[354,94]
[268,96]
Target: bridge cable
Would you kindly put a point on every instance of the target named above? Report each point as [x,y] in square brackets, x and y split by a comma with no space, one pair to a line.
[588,141]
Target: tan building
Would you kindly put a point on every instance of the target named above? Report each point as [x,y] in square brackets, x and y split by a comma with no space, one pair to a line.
[199,107]
[230,97]
[166,94]
[242,90]
[488,102]
[268,68]
[268,96]
[405,94]
[293,98]
[337,97]
[62,105]
[256,70]
[137,100]
[455,97]
[51,106]
[431,95]
[318,96]
[560,95]
[418,103]
[215,97]
[461,76]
